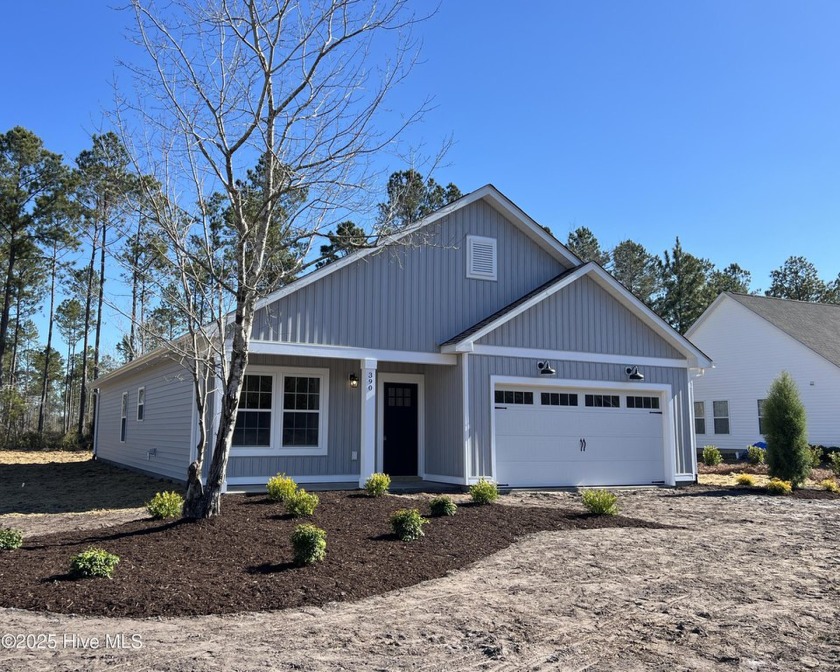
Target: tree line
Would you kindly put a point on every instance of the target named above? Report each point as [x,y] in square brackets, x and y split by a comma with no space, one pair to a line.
[679,286]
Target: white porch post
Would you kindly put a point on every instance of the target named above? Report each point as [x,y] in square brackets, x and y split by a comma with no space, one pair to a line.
[367,452]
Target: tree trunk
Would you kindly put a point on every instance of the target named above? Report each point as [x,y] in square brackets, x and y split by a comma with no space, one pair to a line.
[7,300]
[98,322]
[15,341]
[210,503]
[80,428]
[42,406]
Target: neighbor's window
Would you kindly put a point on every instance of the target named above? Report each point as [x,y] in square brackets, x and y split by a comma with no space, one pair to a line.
[253,419]
[761,416]
[141,403]
[301,410]
[699,417]
[603,400]
[123,415]
[720,409]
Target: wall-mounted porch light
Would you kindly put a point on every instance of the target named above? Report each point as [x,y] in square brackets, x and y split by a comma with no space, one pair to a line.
[353,379]
[633,373]
[545,368]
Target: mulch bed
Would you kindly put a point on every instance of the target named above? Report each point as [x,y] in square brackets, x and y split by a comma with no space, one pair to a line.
[242,560]
[735,490]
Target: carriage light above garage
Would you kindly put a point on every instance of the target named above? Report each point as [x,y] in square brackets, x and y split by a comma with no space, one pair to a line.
[633,373]
[545,368]
[353,379]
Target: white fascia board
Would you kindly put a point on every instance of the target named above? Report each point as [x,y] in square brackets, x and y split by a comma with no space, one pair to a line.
[345,352]
[574,356]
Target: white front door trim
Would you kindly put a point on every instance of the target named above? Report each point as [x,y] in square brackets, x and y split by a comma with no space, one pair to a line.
[415,379]
[669,455]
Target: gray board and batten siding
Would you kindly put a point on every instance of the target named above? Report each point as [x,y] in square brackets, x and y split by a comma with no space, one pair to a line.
[443,422]
[411,296]
[581,317]
[160,443]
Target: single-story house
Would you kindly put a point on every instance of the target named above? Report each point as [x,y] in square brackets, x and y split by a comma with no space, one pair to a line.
[752,340]
[482,347]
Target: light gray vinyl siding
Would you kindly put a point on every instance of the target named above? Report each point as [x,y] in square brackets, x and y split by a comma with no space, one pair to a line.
[344,422]
[444,420]
[411,297]
[481,367]
[581,317]
[166,427]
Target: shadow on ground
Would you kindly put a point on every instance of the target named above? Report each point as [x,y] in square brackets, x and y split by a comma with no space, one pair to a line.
[74,487]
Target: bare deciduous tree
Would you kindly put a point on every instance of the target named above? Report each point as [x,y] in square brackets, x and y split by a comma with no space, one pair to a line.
[260,120]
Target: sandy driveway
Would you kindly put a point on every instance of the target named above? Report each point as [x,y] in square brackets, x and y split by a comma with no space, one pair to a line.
[751,583]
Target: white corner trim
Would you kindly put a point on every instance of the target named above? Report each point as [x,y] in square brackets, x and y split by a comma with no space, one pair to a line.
[465,387]
[573,356]
[345,352]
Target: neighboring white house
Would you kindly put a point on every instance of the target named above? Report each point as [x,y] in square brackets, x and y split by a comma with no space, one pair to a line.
[752,339]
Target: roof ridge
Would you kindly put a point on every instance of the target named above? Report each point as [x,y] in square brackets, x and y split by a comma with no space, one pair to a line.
[779,298]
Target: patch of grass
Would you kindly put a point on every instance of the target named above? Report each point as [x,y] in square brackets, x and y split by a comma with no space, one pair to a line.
[600,502]
[484,492]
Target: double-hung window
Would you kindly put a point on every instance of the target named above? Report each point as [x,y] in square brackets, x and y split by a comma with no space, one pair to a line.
[699,417]
[282,412]
[123,415]
[720,410]
[141,404]
[761,416]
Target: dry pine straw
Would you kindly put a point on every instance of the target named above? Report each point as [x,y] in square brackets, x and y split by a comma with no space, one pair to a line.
[241,561]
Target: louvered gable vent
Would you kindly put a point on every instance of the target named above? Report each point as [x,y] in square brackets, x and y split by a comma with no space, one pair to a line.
[481,258]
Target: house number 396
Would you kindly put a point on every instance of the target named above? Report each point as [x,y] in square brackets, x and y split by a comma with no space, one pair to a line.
[370,381]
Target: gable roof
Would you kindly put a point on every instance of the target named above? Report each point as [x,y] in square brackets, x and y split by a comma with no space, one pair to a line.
[815,325]
[488,193]
[464,341]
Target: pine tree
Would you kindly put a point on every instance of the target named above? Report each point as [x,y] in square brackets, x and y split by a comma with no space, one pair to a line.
[785,425]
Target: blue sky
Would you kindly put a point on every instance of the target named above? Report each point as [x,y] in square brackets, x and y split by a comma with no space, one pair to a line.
[718,122]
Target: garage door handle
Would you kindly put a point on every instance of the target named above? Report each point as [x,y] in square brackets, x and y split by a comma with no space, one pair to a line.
[655,412]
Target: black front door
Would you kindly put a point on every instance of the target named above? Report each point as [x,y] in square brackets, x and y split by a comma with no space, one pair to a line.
[399,431]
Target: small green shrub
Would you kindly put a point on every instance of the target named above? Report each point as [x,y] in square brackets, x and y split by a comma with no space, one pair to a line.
[600,502]
[711,456]
[165,505]
[309,544]
[777,486]
[834,461]
[755,455]
[301,503]
[745,479]
[484,492]
[94,562]
[10,539]
[443,506]
[377,484]
[281,487]
[408,524]
[830,484]
[815,453]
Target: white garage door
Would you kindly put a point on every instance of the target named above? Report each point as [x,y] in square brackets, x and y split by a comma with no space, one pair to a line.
[578,436]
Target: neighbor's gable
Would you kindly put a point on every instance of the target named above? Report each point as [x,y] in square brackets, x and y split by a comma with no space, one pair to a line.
[581,317]
[415,295]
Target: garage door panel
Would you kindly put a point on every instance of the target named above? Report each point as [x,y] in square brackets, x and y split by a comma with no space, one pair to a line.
[541,445]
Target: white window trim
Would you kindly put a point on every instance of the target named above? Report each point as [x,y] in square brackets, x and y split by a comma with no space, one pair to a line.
[275,447]
[141,391]
[471,240]
[123,416]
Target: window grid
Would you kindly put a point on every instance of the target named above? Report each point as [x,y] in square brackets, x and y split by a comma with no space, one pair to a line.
[761,416]
[123,416]
[603,401]
[558,399]
[301,411]
[514,397]
[699,417]
[253,419]
[141,404]
[643,402]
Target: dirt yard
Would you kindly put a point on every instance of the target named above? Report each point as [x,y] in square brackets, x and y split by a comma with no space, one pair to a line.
[750,583]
